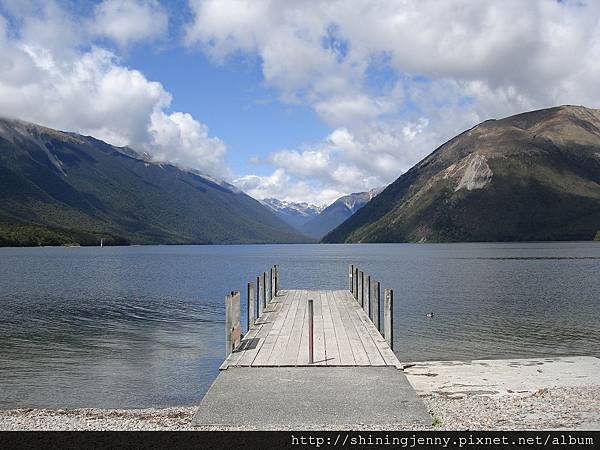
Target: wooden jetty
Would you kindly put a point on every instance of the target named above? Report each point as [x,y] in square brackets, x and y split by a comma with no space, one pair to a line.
[346,334]
[344,326]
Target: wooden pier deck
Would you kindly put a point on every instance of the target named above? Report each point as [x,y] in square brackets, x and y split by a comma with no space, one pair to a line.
[311,359]
[343,334]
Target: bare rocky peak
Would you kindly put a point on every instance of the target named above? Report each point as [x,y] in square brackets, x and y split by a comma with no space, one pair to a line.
[357,200]
[301,208]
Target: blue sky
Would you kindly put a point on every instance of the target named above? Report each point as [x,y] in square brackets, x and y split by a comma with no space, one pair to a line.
[303,101]
[232,100]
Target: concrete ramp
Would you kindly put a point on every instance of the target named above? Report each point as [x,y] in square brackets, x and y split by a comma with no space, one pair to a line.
[279,398]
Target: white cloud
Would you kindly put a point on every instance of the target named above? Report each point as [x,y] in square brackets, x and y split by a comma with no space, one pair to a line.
[194,147]
[306,163]
[90,92]
[395,79]
[283,186]
[130,21]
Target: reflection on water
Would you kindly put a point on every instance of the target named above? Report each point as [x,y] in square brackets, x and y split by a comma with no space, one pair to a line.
[142,326]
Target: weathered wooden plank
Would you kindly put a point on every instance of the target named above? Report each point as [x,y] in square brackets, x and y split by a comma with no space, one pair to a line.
[257,341]
[284,333]
[332,354]
[292,350]
[319,337]
[356,315]
[384,349]
[358,350]
[345,351]
[249,340]
[252,342]
[284,299]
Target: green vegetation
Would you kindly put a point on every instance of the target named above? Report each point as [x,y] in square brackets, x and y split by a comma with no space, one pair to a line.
[23,235]
[597,237]
[63,188]
[529,177]
[436,422]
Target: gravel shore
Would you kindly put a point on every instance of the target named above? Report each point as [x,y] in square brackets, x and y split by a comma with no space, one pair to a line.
[547,409]
[91,419]
[510,394]
[558,408]
[534,394]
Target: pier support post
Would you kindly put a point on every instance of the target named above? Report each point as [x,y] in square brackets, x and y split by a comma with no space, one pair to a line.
[388,317]
[350,277]
[310,332]
[233,327]
[361,288]
[271,283]
[265,295]
[276,280]
[251,305]
[355,279]
[367,305]
[267,289]
[375,304]
[259,296]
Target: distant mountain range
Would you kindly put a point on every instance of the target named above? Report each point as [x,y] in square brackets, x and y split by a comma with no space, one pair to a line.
[295,214]
[61,188]
[530,177]
[337,213]
[316,221]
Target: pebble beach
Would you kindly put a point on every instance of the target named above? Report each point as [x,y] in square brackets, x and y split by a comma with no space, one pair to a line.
[532,394]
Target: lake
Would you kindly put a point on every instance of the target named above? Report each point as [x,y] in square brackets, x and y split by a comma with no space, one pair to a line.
[143,326]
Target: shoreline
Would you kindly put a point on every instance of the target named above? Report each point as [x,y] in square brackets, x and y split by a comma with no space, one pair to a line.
[226,244]
[509,394]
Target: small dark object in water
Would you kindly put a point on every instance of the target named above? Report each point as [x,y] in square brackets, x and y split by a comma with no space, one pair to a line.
[430,315]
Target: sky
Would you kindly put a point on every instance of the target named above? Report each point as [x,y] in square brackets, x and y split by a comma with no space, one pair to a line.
[298,100]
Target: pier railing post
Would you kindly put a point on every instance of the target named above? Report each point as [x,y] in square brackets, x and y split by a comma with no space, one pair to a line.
[350,277]
[276,280]
[367,306]
[272,283]
[267,288]
[375,304]
[361,289]
[250,306]
[388,317]
[259,296]
[264,290]
[310,332]
[355,279]
[233,327]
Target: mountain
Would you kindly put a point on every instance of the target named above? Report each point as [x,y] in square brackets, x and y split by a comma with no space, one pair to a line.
[64,188]
[529,177]
[295,214]
[337,212]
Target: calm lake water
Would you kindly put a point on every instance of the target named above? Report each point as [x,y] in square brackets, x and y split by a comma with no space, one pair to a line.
[143,326]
